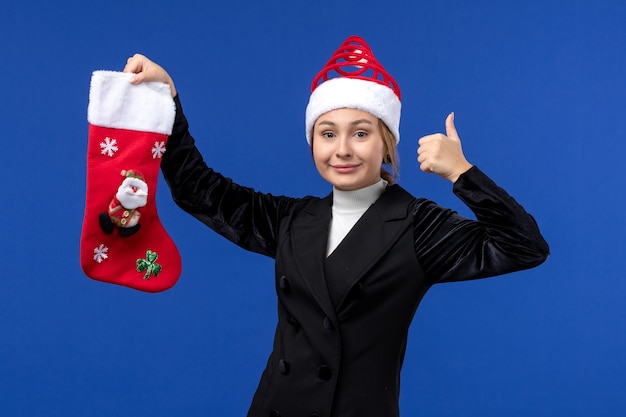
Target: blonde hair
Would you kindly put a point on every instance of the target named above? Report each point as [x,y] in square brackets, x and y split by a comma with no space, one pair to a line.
[391,156]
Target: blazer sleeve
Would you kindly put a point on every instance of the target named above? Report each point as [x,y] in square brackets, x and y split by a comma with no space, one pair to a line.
[504,237]
[248,218]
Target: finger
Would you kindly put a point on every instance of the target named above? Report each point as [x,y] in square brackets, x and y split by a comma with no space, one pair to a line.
[136,71]
[426,161]
[131,64]
[137,64]
[427,147]
[450,128]
[427,167]
[429,138]
[138,78]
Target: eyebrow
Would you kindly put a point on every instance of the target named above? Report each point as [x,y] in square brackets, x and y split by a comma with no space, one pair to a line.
[356,122]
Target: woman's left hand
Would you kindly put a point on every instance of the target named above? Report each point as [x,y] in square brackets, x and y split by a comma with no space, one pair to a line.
[146,70]
[442,154]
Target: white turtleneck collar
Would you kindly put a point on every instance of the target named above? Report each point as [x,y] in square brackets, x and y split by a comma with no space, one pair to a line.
[348,207]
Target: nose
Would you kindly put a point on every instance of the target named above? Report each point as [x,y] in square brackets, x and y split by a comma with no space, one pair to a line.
[344,150]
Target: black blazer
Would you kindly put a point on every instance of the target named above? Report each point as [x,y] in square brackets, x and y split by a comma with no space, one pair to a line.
[343,319]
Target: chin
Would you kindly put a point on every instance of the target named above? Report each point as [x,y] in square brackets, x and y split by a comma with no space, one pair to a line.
[346,186]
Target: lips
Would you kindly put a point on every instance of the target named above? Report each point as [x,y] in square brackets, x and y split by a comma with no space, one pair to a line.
[344,168]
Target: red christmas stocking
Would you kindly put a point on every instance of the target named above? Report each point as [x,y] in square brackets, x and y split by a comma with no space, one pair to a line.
[123,241]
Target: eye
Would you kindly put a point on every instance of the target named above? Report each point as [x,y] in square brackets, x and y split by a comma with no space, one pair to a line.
[360,134]
[328,135]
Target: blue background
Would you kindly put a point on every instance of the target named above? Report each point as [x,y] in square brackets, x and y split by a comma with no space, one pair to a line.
[538,89]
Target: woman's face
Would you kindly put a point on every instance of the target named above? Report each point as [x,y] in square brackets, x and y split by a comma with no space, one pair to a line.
[348,148]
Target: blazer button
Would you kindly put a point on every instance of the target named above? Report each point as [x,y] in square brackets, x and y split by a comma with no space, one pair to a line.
[314,415]
[284,284]
[274,413]
[283,367]
[328,324]
[324,372]
[292,320]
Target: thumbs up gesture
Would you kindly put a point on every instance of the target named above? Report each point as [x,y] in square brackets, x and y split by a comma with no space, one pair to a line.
[442,154]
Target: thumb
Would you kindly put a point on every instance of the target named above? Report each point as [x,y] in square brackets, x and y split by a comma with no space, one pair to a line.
[450,128]
[138,78]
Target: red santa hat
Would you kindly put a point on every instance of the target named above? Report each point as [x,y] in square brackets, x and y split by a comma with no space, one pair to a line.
[354,79]
[132,173]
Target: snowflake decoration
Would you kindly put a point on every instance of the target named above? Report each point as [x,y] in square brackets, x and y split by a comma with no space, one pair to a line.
[109,146]
[100,253]
[158,150]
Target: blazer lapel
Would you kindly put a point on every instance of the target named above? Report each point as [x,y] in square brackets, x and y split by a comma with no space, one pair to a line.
[370,238]
[310,238]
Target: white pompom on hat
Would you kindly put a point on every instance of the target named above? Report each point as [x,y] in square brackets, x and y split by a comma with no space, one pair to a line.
[354,79]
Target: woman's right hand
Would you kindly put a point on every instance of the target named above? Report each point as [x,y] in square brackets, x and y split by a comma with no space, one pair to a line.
[146,70]
[442,154]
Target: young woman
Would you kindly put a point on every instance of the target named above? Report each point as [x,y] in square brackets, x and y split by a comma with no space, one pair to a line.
[351,268]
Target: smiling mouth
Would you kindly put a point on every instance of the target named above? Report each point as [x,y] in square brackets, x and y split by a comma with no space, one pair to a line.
[344,169]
